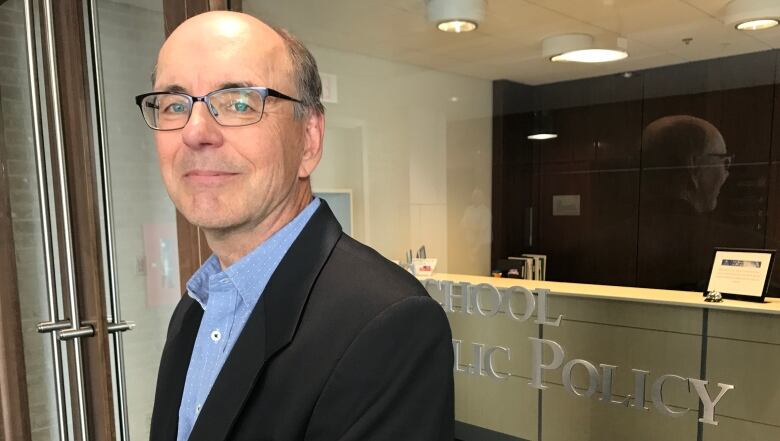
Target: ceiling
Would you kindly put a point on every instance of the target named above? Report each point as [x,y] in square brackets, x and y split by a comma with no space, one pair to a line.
[507,44]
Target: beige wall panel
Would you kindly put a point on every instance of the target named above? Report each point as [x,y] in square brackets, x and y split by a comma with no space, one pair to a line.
[508,406]
[729,429]
[753,370]
[569,418]
[744,326]
[496,331]
[634,314]
[628,348]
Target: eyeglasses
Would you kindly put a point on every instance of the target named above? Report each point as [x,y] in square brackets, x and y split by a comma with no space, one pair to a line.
[727,158]
[239,106]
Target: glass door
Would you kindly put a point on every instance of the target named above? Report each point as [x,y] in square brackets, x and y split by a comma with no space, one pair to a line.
[140,225]
[37,403]
[85,221]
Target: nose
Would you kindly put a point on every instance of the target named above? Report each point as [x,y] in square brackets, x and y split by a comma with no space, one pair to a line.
[202,130]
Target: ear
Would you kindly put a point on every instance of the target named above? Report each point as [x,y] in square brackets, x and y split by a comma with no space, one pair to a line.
[314,131]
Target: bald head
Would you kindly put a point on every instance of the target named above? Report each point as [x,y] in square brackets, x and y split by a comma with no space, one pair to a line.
[676,139]
[248,39]
[223,39]
[685,157]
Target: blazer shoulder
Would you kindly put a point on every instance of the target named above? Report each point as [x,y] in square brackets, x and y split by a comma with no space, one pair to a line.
[371,271]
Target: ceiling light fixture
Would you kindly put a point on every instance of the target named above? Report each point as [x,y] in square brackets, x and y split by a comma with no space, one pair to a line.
[579,48]
[542,127]
[758,25]
[456,15]
[542,136]
[751,15]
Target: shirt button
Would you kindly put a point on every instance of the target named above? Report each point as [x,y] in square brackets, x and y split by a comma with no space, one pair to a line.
[216,335]
[197,409]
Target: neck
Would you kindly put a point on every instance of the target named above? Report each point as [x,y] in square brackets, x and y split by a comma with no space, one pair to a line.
[231,245]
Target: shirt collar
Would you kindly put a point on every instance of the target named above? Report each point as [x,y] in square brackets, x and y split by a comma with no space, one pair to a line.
[243,274]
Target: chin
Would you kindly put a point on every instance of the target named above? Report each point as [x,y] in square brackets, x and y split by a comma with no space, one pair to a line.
[208,221]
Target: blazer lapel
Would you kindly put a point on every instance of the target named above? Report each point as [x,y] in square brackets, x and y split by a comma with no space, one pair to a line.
[270,326]
[173,370]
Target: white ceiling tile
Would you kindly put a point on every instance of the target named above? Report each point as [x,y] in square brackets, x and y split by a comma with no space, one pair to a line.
[508,43]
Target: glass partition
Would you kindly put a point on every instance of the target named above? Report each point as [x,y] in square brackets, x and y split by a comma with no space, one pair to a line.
[38,353]
[648,163]
[144,219]
[430,131]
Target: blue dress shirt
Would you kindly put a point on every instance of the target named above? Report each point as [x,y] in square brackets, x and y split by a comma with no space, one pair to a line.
[228,297]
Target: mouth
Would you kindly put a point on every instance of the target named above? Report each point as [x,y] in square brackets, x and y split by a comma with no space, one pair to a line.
[208,177]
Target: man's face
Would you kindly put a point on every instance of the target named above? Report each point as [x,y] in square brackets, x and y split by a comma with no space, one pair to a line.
[712,172]
[225,178]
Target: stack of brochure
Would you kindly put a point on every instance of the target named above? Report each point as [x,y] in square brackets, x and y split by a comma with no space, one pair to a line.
[532,267]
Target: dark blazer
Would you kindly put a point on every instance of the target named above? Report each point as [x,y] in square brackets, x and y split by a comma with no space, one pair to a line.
[343,345]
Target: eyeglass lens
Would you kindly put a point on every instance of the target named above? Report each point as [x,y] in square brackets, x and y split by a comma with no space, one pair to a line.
[230,107]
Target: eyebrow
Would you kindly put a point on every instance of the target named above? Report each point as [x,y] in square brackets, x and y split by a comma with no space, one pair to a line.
[175,88]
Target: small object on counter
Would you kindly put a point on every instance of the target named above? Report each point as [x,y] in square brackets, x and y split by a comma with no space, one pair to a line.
[496,274]
[424,267]
[713,296]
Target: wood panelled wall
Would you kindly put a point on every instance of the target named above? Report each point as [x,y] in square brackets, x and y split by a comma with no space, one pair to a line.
[622,236]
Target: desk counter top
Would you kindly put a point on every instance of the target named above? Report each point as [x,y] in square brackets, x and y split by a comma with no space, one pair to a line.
[619,293]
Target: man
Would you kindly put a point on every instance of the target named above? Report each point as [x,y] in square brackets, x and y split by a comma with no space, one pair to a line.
[685,166]
[291,330]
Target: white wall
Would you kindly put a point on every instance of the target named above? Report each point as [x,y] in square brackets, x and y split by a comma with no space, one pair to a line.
[414,156]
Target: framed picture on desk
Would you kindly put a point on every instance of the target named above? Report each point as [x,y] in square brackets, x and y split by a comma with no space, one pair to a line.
[741,274]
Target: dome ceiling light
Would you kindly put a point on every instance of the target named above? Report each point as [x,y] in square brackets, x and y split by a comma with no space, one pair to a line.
[752,15]
[456,15]
[757,25]
[579,48]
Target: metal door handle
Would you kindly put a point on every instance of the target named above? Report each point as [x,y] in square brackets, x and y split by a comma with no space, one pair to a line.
[66,237]
[51,326]
[81,331]
[116,325]
[53,323]
[120,327]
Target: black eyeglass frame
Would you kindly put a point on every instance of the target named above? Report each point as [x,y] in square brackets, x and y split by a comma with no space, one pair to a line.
[265,92]
[728,158]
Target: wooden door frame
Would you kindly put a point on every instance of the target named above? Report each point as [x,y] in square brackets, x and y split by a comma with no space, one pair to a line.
[71,40]
[14,408]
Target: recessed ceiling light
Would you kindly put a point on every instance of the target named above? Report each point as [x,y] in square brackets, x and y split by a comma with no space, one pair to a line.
[579,48]
[758,24]
[457,26]
[456,15]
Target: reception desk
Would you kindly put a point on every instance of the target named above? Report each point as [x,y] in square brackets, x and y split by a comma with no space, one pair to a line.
[560,361]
